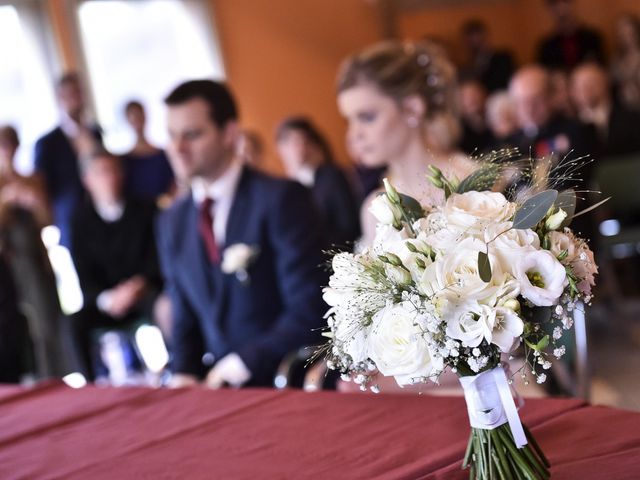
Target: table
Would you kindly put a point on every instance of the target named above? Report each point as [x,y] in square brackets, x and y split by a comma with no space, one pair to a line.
[53,431]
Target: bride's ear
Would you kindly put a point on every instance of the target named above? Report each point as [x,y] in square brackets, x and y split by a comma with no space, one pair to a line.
[414,110]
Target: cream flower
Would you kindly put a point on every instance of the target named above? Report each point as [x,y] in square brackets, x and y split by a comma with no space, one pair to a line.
[237,257]
[386,213]
[476,209]
[397,345]
[541,276]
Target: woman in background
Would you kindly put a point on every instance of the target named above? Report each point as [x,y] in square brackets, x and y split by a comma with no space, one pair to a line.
[625,67]
[307,158]
[395,96]
[148,175]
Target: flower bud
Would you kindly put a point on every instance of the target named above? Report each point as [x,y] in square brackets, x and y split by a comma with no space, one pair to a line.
[554,221]
[392,193]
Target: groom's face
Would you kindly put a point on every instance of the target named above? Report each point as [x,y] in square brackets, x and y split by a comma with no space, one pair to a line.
[197,146]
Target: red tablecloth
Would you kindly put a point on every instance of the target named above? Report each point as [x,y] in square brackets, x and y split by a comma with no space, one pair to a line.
[93,433]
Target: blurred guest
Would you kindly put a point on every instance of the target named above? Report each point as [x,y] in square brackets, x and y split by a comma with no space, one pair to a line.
[625,67]
[476,136]
[240,252]
[491,66]
[308,159]
[501,118]
[542,131]
[57,153]
[148,174]
[570,43]
[114,253]
[617,127]
[23,213]
[559,93]
[250,148]
[13,341]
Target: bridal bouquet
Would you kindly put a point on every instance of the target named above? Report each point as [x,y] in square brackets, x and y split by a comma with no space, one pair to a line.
[457,286]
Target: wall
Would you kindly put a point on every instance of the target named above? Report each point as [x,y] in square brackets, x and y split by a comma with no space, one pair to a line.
[282,57]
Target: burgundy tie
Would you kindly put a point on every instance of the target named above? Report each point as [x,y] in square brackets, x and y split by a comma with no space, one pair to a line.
[205,225]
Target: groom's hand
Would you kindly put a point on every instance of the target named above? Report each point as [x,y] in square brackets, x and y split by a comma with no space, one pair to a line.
[230,370]
[182,380]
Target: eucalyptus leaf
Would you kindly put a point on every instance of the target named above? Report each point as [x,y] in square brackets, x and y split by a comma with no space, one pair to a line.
[534,209]
[411,206]
[484,267]
[567,201]
[480,180]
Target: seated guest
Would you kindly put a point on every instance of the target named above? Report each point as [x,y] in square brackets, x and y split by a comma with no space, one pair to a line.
[240,253]
[307,158]
[501,118]
[543,132]
[148,174]
[570,43]
[250,148]
[492,67]
[57,153]
[24,211]
[476,136]
[617,127]
[114,253]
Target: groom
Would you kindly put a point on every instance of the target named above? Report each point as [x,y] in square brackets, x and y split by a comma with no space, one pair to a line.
[240,252]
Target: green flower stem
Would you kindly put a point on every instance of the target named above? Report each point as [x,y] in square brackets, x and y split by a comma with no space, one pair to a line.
[467,453]
[498,463]
[500,449]
[536,446]
[517,456]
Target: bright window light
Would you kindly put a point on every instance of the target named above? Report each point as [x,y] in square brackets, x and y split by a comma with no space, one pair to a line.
[26,93]
[157,45]
[151,347]
[610,227]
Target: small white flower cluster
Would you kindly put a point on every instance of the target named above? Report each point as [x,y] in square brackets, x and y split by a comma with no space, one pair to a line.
[419,300]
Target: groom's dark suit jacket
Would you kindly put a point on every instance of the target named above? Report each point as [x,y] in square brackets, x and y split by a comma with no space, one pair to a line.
[272,314]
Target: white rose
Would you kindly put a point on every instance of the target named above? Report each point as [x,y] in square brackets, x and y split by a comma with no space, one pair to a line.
[385,212]
[456,275]
[397,345]
[541,276]
[237,257]
[476,209]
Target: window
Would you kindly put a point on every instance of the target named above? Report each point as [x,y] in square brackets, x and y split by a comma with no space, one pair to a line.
[26,93]
[156,45]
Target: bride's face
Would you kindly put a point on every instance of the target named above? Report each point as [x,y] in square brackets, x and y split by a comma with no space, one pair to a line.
[378,130]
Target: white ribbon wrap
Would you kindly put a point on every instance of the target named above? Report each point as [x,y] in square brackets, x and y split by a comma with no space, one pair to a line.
[490,404]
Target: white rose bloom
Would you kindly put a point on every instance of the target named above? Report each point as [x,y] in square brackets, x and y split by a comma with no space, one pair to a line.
[541,276]
[456,276]
[471,323]
[397,345]
[385,212]
[474,210]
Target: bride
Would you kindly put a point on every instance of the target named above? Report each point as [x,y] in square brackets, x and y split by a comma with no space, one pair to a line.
[396,97]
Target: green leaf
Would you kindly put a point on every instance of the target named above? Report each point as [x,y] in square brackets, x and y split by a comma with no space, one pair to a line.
[534,209]
[411,207]
[484,267]
[542,344]
[567,201]
[480,180]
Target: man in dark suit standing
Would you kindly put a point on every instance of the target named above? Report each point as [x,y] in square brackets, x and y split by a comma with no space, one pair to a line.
[57,153]
[240,252]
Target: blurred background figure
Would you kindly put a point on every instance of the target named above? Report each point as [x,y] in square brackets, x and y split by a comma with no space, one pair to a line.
[617,127]
[492,67]
[625,65]
[308,159]
[559,93]
[570,42]
[23,214]
[13,337]
[476,136]
[57,153]
[501,118]
[250,148]
[114,252]
[148,174]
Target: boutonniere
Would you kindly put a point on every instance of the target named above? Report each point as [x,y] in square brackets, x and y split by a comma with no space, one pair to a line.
[237,258]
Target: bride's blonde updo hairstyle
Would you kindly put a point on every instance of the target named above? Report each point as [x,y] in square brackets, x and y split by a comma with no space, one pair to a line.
[402,69]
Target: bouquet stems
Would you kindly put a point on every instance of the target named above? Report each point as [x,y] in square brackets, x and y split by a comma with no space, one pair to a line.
[493,455]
